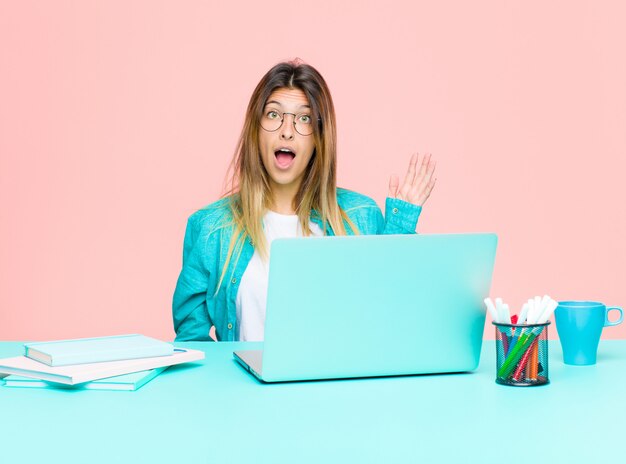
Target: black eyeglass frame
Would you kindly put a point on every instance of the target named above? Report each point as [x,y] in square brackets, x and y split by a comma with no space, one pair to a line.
[282,120]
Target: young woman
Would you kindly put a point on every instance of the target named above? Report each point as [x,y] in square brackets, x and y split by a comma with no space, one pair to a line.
[283,185]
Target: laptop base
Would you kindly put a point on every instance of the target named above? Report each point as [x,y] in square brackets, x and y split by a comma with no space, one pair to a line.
[251,360]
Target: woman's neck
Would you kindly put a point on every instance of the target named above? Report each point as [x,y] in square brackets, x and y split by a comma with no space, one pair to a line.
[283,207]
[283,199]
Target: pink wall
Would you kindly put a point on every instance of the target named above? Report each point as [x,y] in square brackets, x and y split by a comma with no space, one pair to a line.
[118,118]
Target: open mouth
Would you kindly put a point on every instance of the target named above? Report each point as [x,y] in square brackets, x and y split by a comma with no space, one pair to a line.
[284,157]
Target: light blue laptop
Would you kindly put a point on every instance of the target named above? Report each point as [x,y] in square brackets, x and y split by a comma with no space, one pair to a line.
[374,305]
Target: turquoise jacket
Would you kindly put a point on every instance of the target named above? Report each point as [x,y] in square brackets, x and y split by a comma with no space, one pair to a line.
[196,307]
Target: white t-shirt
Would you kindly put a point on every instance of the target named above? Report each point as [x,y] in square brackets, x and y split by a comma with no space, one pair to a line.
[252,293]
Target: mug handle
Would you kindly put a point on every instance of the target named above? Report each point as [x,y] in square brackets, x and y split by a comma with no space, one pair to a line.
[608,323]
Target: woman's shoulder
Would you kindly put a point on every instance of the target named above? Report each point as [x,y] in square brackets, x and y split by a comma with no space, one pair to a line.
[349,200]
[213,216]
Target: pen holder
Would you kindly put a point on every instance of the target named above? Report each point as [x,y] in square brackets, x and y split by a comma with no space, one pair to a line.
[522,354]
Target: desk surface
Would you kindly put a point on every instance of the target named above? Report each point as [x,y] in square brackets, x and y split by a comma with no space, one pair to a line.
[214,411]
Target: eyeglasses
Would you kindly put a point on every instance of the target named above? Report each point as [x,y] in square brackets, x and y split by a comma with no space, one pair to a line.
[272,120]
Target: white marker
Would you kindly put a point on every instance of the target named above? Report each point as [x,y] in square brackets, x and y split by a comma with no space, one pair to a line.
[506,313]
[531,318]
[542,306]
[543,303]
[492,310]
[523,314]
[547,314]
[500,311]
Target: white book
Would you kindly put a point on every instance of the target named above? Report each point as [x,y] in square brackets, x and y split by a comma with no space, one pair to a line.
[79,373]
[98,349]
[127,382]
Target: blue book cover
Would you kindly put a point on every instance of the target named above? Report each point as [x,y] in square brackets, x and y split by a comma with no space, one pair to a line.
[127,382]
[100,349]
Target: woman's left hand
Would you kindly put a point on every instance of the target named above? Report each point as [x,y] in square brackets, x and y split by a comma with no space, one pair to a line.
[418,183]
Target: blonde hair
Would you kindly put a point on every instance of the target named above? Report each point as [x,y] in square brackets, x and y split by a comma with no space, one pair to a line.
[249,191]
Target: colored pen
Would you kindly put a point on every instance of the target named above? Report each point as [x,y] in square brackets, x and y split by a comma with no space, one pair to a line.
[523,363]
[514,336]
[505,343]
[534,361]
[517,352]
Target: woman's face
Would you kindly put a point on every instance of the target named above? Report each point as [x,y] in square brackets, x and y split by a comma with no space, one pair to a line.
[286,152]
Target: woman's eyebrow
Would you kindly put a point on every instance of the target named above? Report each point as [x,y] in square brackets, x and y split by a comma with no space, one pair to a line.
[279,104]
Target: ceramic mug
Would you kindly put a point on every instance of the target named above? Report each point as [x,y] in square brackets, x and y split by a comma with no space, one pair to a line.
[579,325]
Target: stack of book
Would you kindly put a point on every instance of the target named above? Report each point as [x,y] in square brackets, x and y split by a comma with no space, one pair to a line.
[123,362]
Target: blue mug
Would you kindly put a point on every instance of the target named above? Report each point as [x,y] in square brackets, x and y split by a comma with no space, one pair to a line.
[579,325]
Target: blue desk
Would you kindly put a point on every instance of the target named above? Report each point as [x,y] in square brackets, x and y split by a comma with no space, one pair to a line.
[214,411]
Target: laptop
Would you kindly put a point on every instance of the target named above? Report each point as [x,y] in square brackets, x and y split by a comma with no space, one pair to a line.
[373,305]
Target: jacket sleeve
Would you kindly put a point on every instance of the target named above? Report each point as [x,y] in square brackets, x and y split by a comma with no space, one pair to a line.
[189,307]
[400,217]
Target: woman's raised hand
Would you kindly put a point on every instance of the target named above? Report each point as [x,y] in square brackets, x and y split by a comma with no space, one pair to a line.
[418,182]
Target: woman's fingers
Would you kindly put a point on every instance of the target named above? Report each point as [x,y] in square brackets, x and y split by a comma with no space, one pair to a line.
[423,168]
[393,186]
[418,182]
[423,196]
[409,179]
[426,175]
